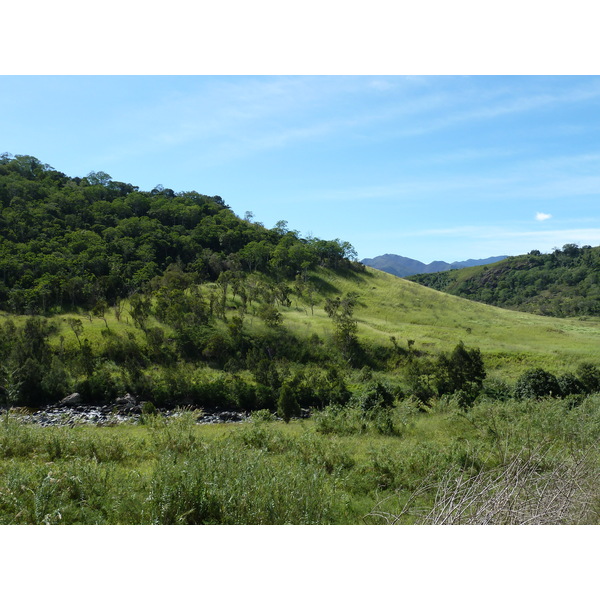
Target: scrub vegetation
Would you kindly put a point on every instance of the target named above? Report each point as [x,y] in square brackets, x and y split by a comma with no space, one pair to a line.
[418,400]
[509,462]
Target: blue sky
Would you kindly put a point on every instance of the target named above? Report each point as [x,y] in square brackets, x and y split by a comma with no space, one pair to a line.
[433,167]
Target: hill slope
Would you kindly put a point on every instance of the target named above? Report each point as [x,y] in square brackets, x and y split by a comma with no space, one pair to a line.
[511,342]
[69,242]
[563,283]
[174,299]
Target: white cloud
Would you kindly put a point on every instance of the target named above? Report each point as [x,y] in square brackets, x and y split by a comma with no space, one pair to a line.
[542,216]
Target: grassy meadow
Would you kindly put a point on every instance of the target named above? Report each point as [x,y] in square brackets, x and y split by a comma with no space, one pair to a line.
[513,462]
[511,342]
[509,461]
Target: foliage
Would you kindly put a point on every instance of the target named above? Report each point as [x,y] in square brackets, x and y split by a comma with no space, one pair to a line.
[562,283]
[70,241]
[287,404]
[537,383]
[589,376]
[462,371]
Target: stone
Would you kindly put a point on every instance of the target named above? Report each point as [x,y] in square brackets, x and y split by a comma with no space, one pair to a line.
[71,400]
[126,399]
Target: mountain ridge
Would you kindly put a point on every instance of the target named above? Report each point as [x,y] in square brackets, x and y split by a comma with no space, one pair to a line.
[402,266]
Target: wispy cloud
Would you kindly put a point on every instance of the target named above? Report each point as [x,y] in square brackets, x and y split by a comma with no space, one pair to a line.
[540,216]
[474,242]
[495,108]
[223,119]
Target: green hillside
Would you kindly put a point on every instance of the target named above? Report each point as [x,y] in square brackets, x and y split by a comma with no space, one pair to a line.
[241,358]
[510,341]
[420,402]
[171,297]
[563,283]
[69,242]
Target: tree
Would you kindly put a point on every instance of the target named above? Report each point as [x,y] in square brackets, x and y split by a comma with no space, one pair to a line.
[77,327]
[287,405]
[270,315]
[341,312]
[589,376]
[98,178]
[100,309]
[11,385]
[463,370]
[140,307]
[536,383]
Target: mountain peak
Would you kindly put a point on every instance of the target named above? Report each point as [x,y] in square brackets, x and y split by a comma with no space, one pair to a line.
[402,266]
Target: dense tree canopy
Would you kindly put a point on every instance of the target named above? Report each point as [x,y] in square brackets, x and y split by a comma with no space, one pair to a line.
[70,241]
[562,283]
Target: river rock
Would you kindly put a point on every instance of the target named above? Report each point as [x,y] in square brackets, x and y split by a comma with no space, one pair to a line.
[71,400]
[127,399]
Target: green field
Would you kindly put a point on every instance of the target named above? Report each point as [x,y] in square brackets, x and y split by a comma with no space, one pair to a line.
[511,462]
[495,461]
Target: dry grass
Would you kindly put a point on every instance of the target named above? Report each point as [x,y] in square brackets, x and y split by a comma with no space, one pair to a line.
[527,490]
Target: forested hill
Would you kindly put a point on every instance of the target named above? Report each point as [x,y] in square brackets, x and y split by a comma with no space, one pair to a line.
[561,284]
[71,241]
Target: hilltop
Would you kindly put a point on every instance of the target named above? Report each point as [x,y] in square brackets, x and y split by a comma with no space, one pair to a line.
[68,242]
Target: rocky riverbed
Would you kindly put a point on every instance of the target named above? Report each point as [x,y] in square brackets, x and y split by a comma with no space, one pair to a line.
[71,411]
[106,415]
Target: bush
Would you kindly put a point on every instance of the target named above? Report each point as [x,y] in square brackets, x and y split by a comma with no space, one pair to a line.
[287,405]
[262,416]
[569,385]
[497,390]
[103,386]
[353,419]
[589,375]
[375,395]
[537,383]
[462,370]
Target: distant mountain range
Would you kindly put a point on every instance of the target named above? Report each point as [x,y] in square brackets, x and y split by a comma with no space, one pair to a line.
[401,266]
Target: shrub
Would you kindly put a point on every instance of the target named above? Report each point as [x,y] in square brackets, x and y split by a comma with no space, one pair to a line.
[287,405]
[346,420]
[589,375]
[353,419]
[262,437]
[496,389]
[462,370]
[569,384]
[375,395]
[262,416]
[537,383]
[103,386]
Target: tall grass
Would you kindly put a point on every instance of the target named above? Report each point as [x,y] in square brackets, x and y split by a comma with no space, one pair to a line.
[499,462]
[217,484]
